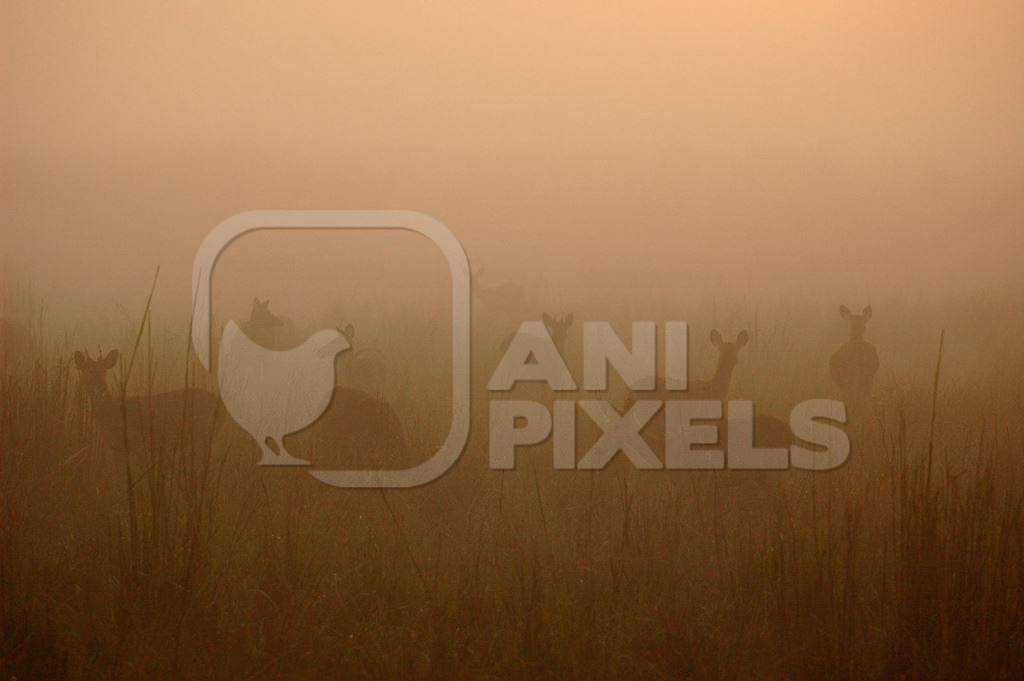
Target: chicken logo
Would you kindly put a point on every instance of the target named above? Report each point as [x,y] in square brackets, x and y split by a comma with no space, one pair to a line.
[272,393]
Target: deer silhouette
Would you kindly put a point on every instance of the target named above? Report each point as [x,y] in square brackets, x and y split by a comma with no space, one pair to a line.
[355,428]
[717,387]
[854,364]
[263,326]
[181,418]
[714,388]
[768,430]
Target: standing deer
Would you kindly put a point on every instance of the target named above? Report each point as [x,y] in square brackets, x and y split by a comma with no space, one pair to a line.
[768,430]
[715,388]
[854,364]
[181,418]
[358,429]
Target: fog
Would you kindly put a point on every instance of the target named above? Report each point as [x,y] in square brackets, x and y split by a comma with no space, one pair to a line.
[857,152]
[745,167]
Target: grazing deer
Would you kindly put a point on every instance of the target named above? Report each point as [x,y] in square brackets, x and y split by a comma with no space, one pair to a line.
[182,418]
[15,343]
[854,364]
[506,298]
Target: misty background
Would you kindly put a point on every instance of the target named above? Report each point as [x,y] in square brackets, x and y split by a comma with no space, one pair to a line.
[741,166]
[856,152]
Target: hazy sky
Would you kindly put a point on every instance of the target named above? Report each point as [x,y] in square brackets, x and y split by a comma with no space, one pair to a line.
[860,147]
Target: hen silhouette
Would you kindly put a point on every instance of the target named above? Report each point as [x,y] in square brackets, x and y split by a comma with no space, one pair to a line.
[273,393]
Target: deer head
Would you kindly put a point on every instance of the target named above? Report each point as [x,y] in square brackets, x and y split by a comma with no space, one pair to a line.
[857,321]
[728,353]
[261,316]
[93,372]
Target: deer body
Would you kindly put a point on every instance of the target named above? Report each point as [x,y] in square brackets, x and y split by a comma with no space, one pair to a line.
[854,364]
[179,419]
[768,430]
[358,430]
[717,387]
[714,388]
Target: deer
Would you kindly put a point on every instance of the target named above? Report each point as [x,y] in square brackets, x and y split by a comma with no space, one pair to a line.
[263,325]
[768,430]
[357,428]
[717,387]
[181,418]
[272,331]
[854,364]
[714,388]
[357,431]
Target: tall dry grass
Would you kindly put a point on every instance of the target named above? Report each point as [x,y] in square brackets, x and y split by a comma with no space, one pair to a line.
[196,564]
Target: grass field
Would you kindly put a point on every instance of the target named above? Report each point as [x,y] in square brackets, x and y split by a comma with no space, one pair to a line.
[178,557]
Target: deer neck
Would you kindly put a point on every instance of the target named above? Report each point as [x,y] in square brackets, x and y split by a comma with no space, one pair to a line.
[721,380]
[106,413]
[856,335]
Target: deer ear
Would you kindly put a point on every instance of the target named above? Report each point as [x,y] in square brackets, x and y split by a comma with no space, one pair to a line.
[350,331]
[111,359]
[867,313]
[716,338]
[844,312]
[80,361]
[742,339]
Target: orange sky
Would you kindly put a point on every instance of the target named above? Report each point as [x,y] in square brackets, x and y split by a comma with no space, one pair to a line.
[861,147]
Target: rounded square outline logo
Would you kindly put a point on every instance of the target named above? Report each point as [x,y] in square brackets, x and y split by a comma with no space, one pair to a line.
[242,223]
